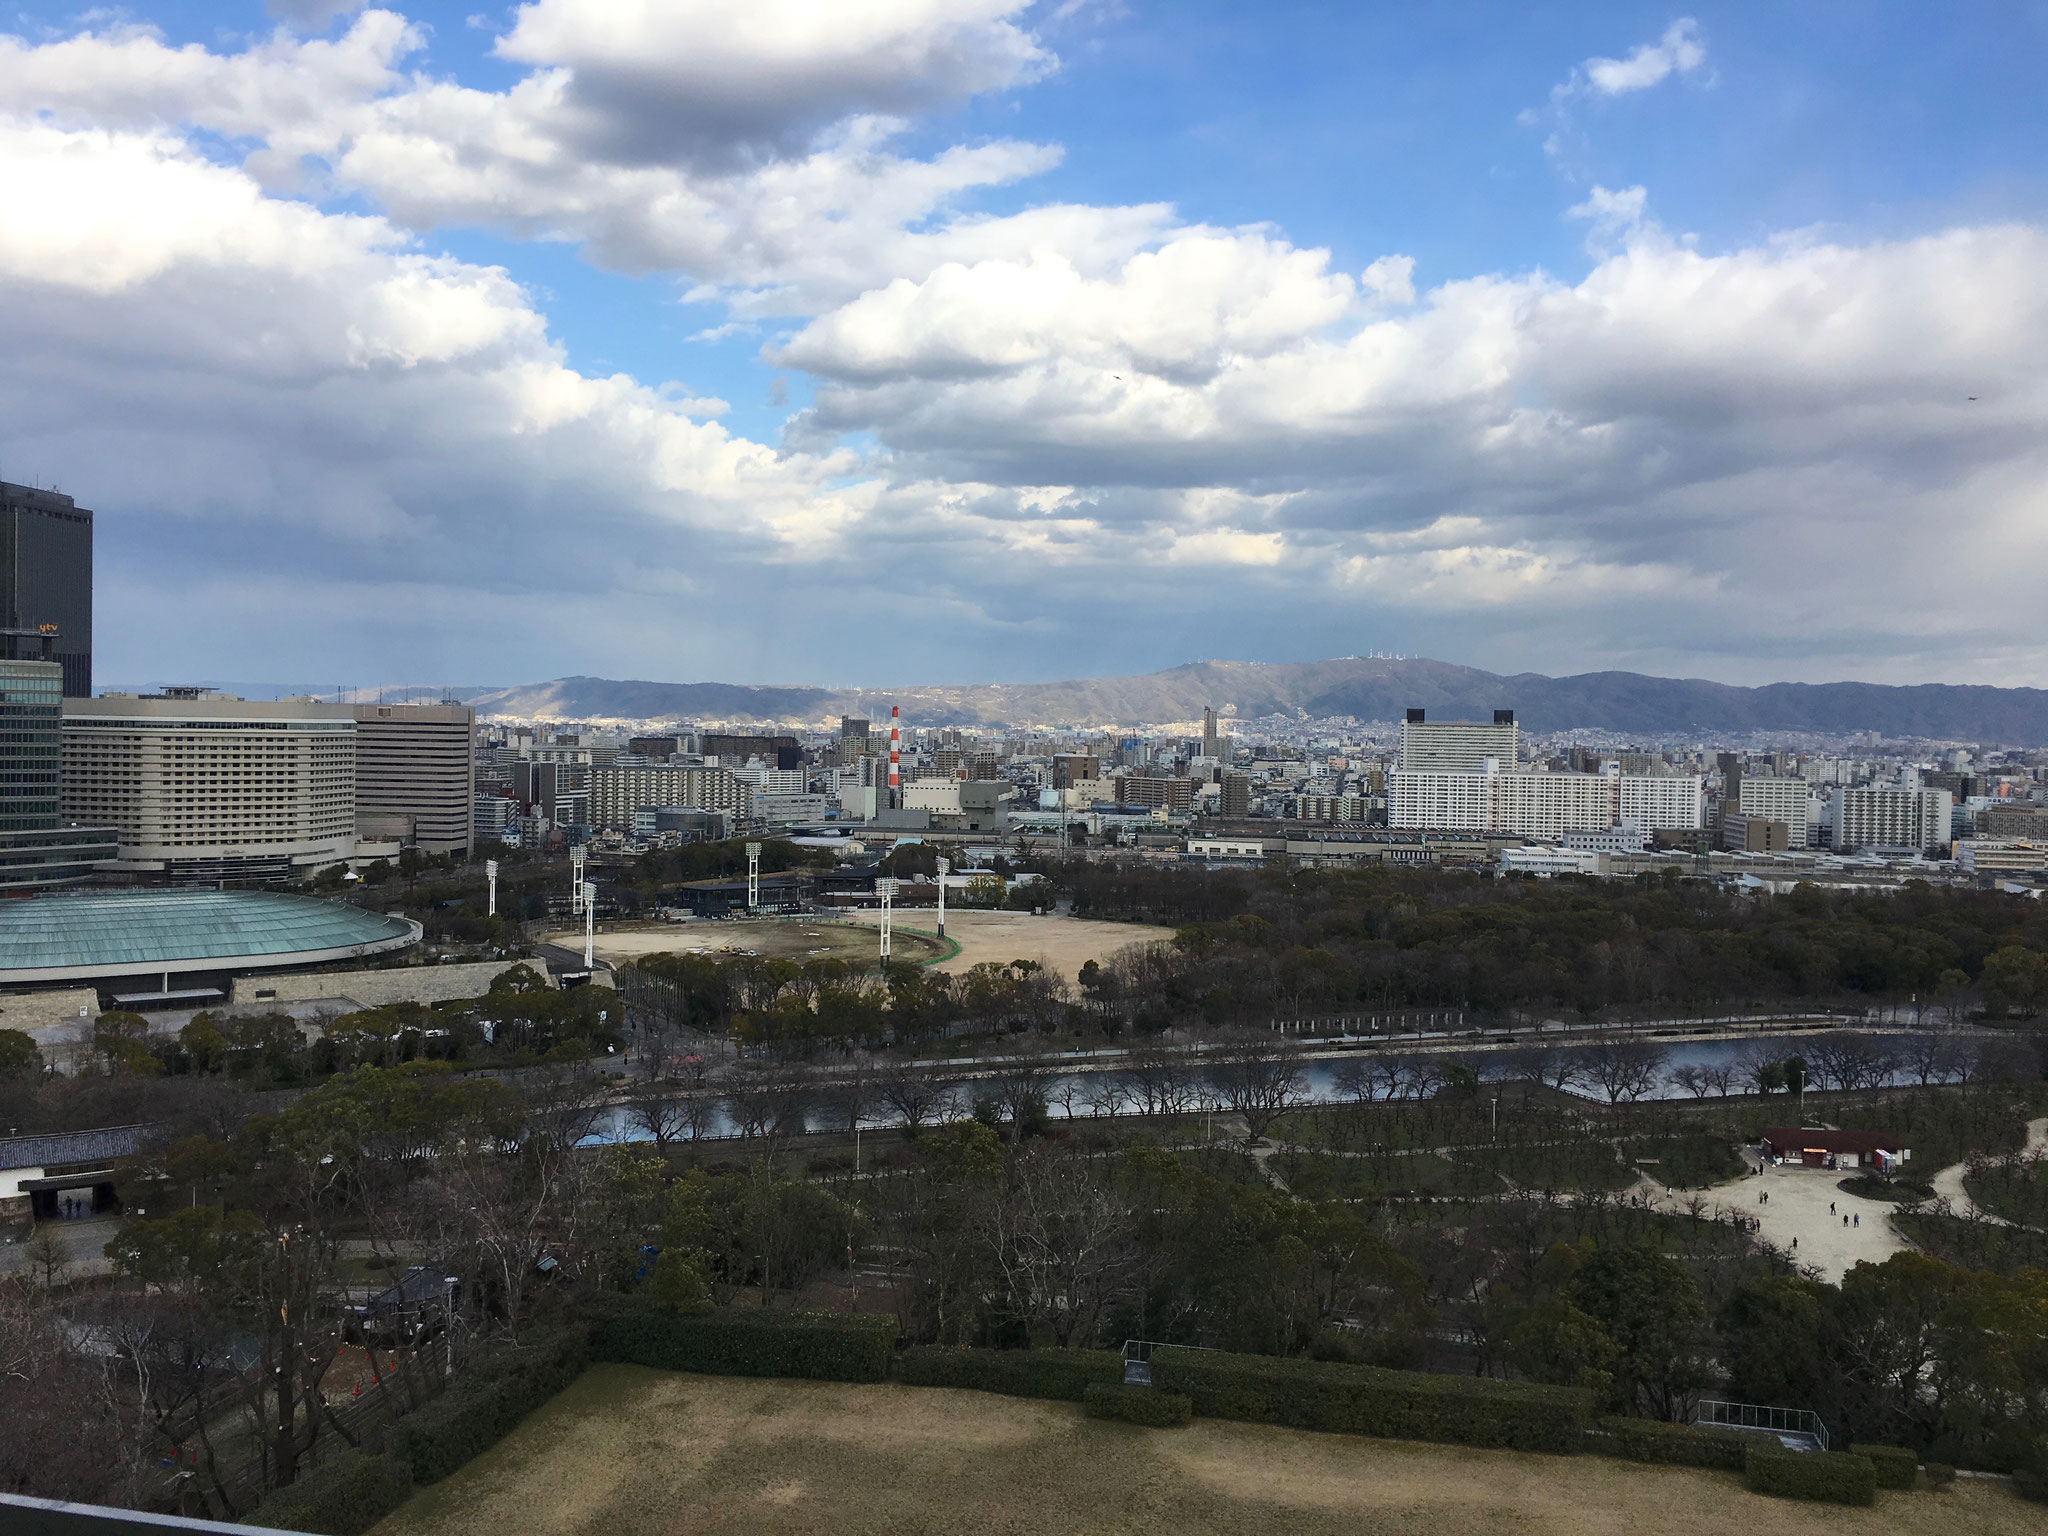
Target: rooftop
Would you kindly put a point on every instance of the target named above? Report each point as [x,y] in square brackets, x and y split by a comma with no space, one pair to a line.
[159,932]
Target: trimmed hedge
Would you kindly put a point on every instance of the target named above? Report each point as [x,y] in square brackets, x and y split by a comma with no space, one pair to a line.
[1063,1375]
[1828,1477]
[1137,1405]
[487,1403]
[745,1341]
[1369,1400]
[1940,1474]
[1681,1445]
[1896,1466]
[345,1497]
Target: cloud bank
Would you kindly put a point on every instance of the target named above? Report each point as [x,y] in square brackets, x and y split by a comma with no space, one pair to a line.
[1039,438]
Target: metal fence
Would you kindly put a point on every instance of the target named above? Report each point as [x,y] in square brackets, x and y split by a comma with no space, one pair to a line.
[1788,1424]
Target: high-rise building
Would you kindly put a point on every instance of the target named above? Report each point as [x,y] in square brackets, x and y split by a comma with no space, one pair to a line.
[46,575]
[619,790]
[1457,746]
[1236,796]
[202,786]
[1212,737]
[1070,768]
[1773,799]
[37,847]
[1876,816]
[416,774]
[1545,805]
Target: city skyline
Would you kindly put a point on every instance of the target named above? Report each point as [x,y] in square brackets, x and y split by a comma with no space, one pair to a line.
[980,342]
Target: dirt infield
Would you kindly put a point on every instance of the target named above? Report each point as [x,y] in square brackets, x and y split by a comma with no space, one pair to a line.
[784,938]
[1064,943]
[632,1452]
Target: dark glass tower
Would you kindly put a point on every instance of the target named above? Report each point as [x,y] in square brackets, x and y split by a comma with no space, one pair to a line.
[37,847]
[46,575]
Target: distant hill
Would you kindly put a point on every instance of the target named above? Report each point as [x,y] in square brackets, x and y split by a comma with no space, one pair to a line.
[1368,689]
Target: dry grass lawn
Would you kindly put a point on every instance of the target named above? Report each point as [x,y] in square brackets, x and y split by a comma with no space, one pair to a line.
[633,1452]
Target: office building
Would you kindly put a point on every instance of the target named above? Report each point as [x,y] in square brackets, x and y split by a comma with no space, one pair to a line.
[1457,746]
[619,790]
[1212,737]
[1742,832]
[202,786]
[37,847]
[775,751]
[416,775]
[1070,768]
[46,575]
[1991,856]
[493,818]
[1877,816]
[556,787]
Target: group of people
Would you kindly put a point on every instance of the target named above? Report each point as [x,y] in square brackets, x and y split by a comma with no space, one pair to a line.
[74,1207]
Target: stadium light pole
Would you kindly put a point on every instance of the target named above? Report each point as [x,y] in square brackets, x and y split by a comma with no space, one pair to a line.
[945,868]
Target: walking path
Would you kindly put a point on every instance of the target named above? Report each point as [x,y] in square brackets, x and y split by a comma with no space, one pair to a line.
[1948,1184]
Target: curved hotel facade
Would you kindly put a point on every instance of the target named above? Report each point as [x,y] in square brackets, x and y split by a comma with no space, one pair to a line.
[200,786]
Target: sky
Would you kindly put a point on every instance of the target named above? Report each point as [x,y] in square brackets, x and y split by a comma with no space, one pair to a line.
[955,341]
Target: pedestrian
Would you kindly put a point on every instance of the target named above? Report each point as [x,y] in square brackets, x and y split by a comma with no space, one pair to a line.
[1831,1207]
[1845,1220]
[1795,1245]
[1859,1218]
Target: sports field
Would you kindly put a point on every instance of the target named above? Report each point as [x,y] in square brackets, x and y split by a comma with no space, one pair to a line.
[782,938]
[633,1452]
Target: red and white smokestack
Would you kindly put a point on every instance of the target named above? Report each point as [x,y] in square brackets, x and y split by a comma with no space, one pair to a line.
[895,747]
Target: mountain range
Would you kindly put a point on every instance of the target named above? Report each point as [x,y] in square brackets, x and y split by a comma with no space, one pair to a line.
[1366,688]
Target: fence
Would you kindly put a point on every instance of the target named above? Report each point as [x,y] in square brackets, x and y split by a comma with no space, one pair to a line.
[1798,1427]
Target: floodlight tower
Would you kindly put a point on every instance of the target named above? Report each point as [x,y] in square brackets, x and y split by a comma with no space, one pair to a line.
[588,893]
[491,874]
[753,877]
[886,889]
[945,867]
[575,878]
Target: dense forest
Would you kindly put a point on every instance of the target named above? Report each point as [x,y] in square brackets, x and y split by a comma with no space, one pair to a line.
[1304,941]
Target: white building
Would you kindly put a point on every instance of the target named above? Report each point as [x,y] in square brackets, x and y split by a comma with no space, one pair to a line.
[202,786]
[1542,805]
[1625,837]
[1549,861]
[1775,799]
[416,764]
[618,790]
[1456,746]
[1889,817]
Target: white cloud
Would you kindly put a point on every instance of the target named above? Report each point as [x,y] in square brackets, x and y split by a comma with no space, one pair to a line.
[1678,52]
[651,80]
[327,439]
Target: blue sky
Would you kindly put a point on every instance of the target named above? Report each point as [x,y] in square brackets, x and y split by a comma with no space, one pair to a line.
[1664,364]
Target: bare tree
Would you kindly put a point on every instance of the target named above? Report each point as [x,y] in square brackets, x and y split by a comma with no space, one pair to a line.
[1260,1079]
[1689,1078]
[917,1093]
[1064,1244]
[1721,1077]
[1625,1069]
[1157,1081]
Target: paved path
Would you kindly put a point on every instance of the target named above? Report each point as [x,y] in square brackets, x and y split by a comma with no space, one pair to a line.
[1948,1184]
[84,1244]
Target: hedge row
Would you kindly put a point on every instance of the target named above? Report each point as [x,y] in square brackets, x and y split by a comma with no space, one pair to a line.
[1896,1466]
[820,1346]
[1137,1405]
[487,1403]
[1683,1445]
[1829,1477]
[345,1497]
[1368,1400]
[1061,1374]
